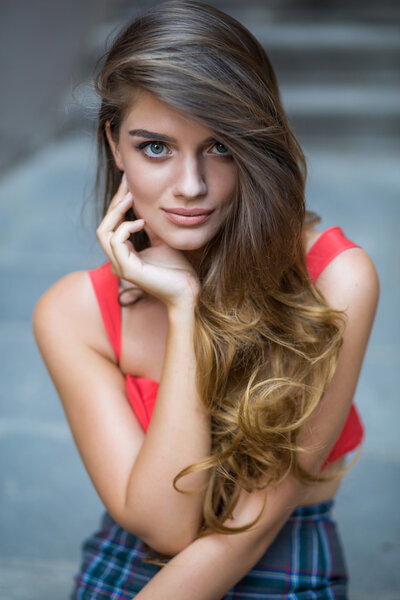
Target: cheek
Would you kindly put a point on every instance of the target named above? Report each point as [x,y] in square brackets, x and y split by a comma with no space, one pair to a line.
[145,187]
[225,185]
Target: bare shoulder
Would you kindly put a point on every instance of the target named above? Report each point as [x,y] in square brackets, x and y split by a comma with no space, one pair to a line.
[350,280]
[65,304]
[69,309]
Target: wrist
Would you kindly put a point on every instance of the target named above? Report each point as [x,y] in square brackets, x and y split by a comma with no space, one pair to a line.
[181,311]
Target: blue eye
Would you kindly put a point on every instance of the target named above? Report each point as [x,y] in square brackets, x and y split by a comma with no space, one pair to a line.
[221,149]
[155,148]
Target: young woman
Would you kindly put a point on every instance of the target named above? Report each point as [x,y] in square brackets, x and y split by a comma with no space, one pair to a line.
[207,369]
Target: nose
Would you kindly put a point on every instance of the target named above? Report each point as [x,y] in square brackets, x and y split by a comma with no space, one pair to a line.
[190,179]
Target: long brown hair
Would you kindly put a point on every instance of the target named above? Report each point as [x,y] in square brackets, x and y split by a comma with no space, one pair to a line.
[266,342]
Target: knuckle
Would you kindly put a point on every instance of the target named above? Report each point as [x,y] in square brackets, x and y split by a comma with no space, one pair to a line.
[100,229]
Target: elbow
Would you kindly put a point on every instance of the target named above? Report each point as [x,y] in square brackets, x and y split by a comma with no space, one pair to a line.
[164,537]
[168,545]
[166,530]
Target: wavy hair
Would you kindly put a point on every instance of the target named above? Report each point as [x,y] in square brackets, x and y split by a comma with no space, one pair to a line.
[265,340]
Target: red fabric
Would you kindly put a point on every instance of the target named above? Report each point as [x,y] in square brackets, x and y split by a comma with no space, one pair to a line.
[106,287]
[142,392]
[329,244]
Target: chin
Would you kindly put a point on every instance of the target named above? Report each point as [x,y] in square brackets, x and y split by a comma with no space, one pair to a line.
[186,240]
[181,245]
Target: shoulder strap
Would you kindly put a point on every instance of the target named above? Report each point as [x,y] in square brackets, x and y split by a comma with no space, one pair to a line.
[329,244]
[106,287]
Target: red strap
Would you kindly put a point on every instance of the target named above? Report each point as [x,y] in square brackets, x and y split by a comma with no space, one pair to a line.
[329,244]
[106,287]
[349,439]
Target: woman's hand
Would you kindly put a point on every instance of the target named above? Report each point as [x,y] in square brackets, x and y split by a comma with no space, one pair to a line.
[160,270]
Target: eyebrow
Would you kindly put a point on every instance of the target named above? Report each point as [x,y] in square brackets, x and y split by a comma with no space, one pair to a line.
[151,135]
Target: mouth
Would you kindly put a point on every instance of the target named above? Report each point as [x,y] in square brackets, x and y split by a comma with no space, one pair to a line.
[189,212]
[181,216]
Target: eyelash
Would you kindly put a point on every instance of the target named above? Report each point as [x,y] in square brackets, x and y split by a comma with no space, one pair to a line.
[145,145]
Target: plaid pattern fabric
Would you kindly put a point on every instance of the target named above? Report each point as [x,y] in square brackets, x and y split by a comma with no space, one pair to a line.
[305,562]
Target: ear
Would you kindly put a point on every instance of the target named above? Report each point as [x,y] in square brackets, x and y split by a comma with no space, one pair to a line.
[114,148]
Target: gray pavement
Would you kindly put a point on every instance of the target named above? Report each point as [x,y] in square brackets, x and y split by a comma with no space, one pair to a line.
[48,503]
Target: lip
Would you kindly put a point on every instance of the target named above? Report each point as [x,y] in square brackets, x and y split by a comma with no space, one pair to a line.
[187,220]
[189,212]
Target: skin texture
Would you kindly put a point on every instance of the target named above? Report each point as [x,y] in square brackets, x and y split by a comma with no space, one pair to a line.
[132,471]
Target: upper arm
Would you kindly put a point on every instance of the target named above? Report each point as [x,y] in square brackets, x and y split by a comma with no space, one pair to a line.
[349,284]
[91,387]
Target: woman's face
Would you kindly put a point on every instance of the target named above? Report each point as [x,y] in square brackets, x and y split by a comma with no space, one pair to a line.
[173,163]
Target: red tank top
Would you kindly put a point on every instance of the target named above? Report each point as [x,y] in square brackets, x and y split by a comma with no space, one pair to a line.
[142,392]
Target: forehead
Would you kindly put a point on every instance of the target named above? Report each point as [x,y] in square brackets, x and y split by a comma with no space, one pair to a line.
[148,112]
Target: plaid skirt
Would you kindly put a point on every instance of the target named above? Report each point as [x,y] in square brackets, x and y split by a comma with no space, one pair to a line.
[305,562]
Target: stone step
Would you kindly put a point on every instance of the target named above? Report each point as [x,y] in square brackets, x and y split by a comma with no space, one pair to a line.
[352,100]
[331,52]
[369,11]
[343,110]
[336,78]
[297,11]
[314,108]
[330,35]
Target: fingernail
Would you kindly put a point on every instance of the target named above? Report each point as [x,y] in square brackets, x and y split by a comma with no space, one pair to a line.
[123,180]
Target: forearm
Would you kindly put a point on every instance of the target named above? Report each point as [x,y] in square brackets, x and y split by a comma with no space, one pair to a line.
[178,435]
[210,566]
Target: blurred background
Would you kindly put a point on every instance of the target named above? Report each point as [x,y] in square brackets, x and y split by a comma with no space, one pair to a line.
[338,63]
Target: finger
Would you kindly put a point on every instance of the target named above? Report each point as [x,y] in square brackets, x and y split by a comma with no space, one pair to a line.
[110,224]
[120,245]
[119,207]
[124,231]
[115,216]
[120,193]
